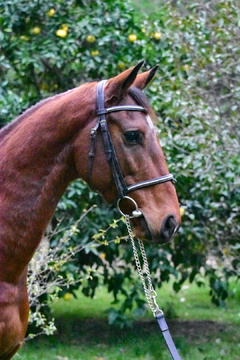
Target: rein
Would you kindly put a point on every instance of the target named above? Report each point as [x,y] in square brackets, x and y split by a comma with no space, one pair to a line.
[150,292]
[123,189]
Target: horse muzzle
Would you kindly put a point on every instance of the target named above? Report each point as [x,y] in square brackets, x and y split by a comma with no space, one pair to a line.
[142,228]
[169,228]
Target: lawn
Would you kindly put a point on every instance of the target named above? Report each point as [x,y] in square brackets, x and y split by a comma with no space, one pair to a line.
[200,330]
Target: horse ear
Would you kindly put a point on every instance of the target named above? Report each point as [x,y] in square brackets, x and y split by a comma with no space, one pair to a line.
[118,86]
[142,80]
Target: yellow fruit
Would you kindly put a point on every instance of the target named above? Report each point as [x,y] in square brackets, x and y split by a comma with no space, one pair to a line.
[182,211]
[61,32]
[95,53]
[143,30]
[36,30]
[186,67]
[64,27]
[23,37]
[121,65]
[50,13]
[132,37]
[44,86]
[91,38]
[67,296]
[157,35]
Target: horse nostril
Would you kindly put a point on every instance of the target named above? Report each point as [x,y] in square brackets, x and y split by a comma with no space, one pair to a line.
[169,227]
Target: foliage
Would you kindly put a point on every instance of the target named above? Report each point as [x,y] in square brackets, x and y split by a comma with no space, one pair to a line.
[40,61]
[206,331]
[49,273]
[50,46]
[200,102]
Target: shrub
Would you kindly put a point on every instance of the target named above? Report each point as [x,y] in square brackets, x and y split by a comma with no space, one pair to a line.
[50,46]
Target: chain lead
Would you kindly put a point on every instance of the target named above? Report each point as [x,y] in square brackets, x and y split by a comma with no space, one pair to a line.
[149,291]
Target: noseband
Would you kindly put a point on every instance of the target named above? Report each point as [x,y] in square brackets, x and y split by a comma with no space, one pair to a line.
[122,188]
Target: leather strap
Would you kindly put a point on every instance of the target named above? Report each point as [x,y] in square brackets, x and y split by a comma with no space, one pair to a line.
[155,181]
[112,160]
[167,336]
[91,153]
[122,188]
[107,141]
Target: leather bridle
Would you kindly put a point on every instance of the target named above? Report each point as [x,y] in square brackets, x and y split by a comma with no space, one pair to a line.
[122,188]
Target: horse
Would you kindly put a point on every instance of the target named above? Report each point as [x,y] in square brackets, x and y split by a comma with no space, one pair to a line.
[113,148]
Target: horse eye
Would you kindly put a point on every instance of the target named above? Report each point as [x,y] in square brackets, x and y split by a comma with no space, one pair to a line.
[133,136]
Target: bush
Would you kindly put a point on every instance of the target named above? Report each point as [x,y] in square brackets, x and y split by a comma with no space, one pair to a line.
[50,46]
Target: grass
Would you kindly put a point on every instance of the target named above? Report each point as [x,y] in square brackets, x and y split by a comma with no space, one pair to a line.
[191,302]
[199,329]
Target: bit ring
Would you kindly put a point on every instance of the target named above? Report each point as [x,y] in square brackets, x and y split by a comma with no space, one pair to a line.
[135,213]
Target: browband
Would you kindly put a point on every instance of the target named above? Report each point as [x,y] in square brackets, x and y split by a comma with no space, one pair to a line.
[122,187]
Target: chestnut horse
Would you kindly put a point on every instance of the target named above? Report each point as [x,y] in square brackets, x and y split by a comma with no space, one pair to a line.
[45,149]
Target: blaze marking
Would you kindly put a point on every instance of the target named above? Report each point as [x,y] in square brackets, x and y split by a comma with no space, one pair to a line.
[150,123]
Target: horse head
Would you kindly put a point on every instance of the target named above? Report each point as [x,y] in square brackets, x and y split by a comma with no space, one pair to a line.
[128,153]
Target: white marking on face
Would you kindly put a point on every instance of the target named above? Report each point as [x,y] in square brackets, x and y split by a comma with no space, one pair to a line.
[150,123]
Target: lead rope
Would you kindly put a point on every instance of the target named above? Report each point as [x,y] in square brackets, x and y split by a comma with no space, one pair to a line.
[149,291]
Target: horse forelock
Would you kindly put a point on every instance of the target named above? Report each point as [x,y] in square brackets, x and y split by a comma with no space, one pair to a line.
[141,99]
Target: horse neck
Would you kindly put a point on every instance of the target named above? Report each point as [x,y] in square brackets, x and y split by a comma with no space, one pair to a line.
[36,166]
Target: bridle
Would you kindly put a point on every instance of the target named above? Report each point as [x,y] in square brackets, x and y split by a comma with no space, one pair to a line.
[122,188]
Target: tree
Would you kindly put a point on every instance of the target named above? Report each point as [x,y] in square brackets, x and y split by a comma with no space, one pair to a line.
[49,47]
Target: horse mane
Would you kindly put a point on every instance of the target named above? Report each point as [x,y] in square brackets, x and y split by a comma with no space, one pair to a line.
[141,99]
[14,123]
[134,92]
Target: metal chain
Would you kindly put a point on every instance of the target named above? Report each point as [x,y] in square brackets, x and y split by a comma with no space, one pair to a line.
[149,291]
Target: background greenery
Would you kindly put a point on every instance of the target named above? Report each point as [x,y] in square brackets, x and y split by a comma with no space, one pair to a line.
[50,46]
[200,329]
